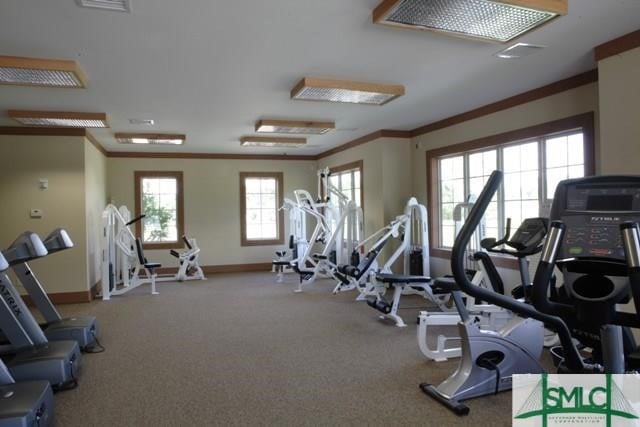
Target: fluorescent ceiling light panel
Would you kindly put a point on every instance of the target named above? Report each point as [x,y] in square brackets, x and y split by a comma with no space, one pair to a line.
[519,50]
[145,122]
[16,70]
[267,141]
[490,20]
[319,89]
[116,5]
[150,138]
[59,118]
[294,127]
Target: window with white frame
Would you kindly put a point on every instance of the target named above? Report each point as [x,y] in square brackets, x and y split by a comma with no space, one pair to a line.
[260,200]
[532,170]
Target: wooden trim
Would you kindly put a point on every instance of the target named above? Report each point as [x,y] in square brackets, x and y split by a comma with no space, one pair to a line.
[273,140]
[383,133]
[63,298]
[70,115]
[220,269]
[514,101]
[358,164]
[93,141]
[178,175]
[321,127]
[583,121]
[45,64]
[324,83]
[42,131]
[279,177]
[617,46]
[203,156]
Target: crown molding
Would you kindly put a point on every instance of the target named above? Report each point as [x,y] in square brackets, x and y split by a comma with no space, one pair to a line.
[617,46]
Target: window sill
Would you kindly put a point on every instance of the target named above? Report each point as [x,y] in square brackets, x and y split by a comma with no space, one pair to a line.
[273,242]
[162,245]
[501,261]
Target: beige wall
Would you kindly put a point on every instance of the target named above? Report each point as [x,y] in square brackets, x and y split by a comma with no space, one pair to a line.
[619,84]
[95,169]
[386,177]
[25,160]
[211,201]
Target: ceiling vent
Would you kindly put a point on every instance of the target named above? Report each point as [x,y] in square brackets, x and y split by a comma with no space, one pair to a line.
[319,89]
[150,138]
[17,70]
[519,50]
[115,5]
[266,141]
[294,127]
[490,20]
[59,119]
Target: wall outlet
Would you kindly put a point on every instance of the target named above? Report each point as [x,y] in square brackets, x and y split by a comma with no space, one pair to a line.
[36,213]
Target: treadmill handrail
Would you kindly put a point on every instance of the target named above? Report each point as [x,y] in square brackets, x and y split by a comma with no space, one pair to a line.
[573,359]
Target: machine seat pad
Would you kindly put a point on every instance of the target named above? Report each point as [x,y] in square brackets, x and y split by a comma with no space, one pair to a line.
[152,265]
[444,285]
[282,263]
[401,278]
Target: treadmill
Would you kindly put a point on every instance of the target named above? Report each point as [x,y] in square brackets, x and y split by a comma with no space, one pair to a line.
[30,356]
[23,403]
[83,329]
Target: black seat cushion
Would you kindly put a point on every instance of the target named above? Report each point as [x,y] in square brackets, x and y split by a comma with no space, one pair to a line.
[401,278]
[445,285]
[152,265]
[285,263]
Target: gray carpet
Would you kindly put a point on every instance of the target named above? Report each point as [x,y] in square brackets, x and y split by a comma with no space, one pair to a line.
[240,350]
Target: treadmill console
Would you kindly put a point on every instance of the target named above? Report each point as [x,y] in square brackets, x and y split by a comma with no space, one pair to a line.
[592,210]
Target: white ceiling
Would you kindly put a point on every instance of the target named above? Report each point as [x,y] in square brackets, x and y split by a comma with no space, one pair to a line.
[211,68]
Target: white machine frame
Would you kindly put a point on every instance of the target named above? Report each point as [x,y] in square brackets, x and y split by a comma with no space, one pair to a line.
[188,264]
[120,264]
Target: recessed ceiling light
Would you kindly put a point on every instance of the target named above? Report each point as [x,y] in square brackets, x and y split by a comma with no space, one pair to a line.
[59,118]
[16,70]
[492,20]
[265,141]
[145,122]
[518,50]
[150,138]
[319,89]
[116,5]
[294,127]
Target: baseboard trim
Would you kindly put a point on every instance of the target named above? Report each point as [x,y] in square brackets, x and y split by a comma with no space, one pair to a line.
[63,298]
[237,268]
[221,269]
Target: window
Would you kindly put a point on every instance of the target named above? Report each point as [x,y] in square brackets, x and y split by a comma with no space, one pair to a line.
[262,221]
[348,180]
[159,198]
[533,160]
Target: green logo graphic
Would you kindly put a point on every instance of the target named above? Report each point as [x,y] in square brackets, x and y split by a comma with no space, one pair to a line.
[607,400]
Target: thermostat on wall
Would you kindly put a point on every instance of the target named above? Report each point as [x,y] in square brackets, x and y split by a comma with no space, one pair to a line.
[36,213]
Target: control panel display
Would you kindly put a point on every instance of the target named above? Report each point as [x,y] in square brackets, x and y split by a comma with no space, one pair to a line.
[593,216]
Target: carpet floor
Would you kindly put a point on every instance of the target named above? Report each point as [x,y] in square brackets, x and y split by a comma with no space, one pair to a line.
[241,350]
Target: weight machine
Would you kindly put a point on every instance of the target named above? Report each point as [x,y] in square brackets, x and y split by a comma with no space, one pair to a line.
[123,257]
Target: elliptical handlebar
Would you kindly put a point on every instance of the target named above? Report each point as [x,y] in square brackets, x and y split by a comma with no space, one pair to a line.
[573,359]
[631,242]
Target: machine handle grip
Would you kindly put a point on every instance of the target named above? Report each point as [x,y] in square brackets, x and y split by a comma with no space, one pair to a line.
[136,219]
[631,242]
[186,242]
[573,360]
